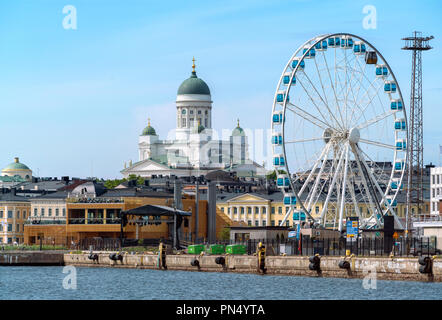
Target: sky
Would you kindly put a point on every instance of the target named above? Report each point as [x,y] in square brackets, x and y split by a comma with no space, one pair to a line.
[74,102]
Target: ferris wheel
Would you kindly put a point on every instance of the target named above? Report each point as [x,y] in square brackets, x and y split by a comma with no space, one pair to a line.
[339,134]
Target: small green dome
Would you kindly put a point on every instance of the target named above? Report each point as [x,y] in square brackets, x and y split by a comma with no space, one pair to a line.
[238,131]
[16,165]
[201,128]
[149,130]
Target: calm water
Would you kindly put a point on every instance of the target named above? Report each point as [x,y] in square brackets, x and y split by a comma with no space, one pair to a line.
[106,283]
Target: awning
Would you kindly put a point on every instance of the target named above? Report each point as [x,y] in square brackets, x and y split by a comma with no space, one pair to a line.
[155,210]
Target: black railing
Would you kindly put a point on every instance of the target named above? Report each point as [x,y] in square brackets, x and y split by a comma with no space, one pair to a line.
[304,247]
[94,220]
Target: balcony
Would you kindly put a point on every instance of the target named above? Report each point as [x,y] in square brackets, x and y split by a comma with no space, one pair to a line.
[94,221]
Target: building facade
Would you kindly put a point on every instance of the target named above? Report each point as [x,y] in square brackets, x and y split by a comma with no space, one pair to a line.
[435,190]
[14,211]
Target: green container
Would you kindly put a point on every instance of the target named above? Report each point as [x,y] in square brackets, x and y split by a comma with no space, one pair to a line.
[216,249]
[195,248]
[236,249]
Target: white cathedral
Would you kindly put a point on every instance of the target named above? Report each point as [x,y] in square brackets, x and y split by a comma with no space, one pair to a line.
[193,152]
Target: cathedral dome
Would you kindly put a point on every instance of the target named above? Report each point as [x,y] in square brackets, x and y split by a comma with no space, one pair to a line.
[193,85]
[238,131]
[149,130]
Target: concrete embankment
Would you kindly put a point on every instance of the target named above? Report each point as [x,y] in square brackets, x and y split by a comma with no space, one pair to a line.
[395,268]
[31,258]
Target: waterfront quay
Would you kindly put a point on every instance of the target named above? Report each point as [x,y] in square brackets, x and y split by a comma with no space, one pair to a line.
[384,268]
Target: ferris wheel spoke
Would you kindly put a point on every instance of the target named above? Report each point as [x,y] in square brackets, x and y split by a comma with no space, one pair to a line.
[333,87]
[379,144]
[362,113]
[307,116]
[376,119]
[310,97]
[325,103]
[350,88]
[305,140]
[318,178]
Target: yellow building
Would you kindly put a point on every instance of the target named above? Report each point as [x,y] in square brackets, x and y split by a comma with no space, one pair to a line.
[14,210]
[261,209]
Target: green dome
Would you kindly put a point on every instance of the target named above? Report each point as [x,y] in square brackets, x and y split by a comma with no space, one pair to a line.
[193,85]
[149,130]
[238,131]
[16,165]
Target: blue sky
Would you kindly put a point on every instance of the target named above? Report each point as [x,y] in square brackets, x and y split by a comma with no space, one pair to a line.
[75,101]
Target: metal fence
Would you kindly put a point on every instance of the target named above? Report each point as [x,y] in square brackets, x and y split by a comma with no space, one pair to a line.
[304,247]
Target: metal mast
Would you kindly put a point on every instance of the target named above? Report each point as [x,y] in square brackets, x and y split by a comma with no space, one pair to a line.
[417,44]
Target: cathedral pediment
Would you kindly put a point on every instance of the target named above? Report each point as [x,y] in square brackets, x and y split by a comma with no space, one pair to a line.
[146,165]
[247,197]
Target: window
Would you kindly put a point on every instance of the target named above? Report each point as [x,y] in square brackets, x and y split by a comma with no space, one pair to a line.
[1,213]
[18,214]
[64,212]
[1,229]
[191,111]
[434,192]
[242,210]
[206,112]
[18,228]
[264,222]
[249,210]
[57,211]
[42,211]
[279,222]
[434,179]
[273,210]
[24,214]
[9,214]
[287,223]
[264,210]
[235,210]
[438,179]
[222,209]
[50,212]
[199,111]
[183,111]
[9,227]
[35,211]
[228,210]
[279,210]
[272,222]
[317,209]
[183,122]
[205,122]
[249,223]
[256,210]
[287,209]
[256,223]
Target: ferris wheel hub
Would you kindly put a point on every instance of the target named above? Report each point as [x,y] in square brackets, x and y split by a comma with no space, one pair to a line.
[354,135]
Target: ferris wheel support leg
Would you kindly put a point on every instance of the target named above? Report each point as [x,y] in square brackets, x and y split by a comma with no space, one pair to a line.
[318,178]
[313,169]
[344,182]
[380,191]
[332,185]
[364,181]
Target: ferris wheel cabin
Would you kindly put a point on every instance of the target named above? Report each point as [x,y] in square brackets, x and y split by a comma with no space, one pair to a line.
[309,53]
[346,42]
[278,160]
[400,124]
[381,71]
[286,78]
[334,42]
[282,181]
[396,104]
[321,45]
[401,145]
[359,48]
[390,86]
[280,97]
[277,138]
[296,61]
[277,117]
[289,199]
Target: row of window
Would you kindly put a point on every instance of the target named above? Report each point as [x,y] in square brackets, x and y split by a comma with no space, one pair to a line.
[434,205]
[264,223]
[57,212]
[436,191]
[437,177]
[264,210]
[193,123]
[11,214]
[184,111]
[9,228]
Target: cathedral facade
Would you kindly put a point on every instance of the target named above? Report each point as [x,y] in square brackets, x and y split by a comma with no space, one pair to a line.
[193,152]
